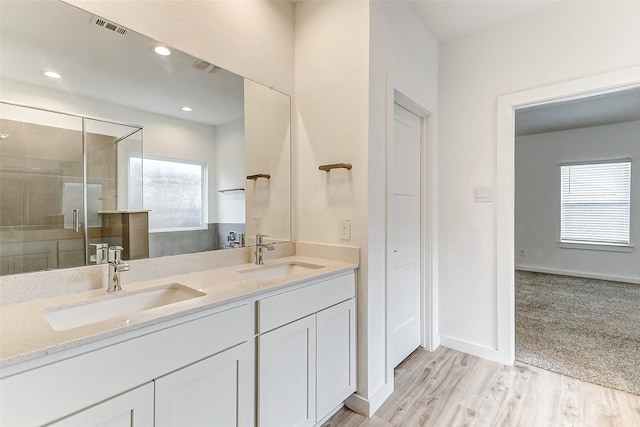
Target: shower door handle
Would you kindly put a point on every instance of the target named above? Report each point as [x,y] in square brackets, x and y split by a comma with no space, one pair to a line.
[76,219]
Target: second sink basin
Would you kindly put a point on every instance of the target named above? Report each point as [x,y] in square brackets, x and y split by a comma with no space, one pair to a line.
[279,270]
[116,306]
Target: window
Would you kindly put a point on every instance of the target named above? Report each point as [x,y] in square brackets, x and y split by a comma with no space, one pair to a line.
[595,203]
[174,191]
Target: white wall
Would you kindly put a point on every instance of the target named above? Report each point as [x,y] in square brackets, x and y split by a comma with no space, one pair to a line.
[538,199]
[563,41]
[403,57]
[252,38]
[267,151]
[229,170]
[331,117]
[345,52]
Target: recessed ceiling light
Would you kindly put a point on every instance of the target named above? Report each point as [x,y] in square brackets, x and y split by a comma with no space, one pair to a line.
[187,109]
[161,50]
[52,74]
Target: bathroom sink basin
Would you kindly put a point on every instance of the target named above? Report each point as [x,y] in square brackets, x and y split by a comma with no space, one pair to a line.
[116,306]
[280,270]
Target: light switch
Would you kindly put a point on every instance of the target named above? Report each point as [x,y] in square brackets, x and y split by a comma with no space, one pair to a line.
[483,194]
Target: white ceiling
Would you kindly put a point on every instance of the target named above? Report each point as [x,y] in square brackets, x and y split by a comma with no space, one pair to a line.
[452,19]
[617,107]
[93,62]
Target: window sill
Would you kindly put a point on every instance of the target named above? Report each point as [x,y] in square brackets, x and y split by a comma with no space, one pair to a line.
[596,247]
[173,230]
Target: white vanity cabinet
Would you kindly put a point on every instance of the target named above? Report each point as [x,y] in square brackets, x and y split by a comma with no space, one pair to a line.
[131,409]
[335,356]
[306,353]
[283,357]
[217,391]
[118,377]
[286,375]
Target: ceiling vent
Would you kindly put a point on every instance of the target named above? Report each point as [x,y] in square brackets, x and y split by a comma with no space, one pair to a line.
[109,25]
[205,66]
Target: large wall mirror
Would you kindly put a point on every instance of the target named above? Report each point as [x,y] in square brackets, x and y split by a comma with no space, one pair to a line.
[130,142]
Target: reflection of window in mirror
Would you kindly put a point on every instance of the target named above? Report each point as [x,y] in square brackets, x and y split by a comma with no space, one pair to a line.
[174,192]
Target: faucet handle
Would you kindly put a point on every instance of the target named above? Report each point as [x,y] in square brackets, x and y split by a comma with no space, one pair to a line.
[115,254]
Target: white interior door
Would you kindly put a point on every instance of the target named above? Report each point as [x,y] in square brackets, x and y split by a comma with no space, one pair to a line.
[403,235]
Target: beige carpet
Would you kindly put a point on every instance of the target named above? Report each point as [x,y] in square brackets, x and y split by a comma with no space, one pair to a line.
[584,328]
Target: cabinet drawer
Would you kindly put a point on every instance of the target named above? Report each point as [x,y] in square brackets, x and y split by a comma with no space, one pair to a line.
[284,308]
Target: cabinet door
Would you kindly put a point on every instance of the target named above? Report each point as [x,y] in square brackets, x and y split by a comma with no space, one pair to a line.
[133,408]
[217,391]
[286,375]
[335,356]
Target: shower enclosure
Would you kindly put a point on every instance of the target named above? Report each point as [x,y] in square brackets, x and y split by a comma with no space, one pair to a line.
[60,174]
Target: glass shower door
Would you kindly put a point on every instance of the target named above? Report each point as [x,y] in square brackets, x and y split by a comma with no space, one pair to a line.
[41,194]
[61,176]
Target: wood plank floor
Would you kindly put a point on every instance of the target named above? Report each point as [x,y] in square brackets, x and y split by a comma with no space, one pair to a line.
[450,388]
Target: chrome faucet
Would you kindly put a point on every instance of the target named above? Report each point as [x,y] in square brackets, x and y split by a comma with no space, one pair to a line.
[116,265]
[259,246]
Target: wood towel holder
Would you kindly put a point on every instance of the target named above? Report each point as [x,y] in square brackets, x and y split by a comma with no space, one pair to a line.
[327,168]
[259,175]
[229,190]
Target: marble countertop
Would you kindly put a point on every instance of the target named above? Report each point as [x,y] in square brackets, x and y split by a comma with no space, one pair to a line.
[25,333]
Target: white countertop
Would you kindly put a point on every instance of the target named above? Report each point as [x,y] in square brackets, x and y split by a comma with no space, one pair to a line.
[26,335]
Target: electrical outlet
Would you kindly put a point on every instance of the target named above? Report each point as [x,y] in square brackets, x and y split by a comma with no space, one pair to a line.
[522,252]
[345,229]
[258,224]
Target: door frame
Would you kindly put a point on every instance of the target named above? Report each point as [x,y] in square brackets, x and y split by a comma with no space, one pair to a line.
[429,338]
[505,182]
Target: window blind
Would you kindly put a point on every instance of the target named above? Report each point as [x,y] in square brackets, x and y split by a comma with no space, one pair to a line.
[596,203]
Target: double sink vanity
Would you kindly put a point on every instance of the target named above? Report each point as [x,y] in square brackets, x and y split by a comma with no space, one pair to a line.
[237,345]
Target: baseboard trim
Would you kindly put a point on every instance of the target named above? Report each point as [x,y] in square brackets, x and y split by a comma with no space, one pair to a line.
[435,342]
[330,414]
[359,404]
[368,407]
[578,274]
[470,348]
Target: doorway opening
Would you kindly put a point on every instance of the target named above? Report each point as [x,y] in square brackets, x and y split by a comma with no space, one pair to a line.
[576,274]
[508,105]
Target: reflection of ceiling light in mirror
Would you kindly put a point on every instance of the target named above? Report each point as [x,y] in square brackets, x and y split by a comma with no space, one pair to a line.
[52,74]
[187,109]
[161,50]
